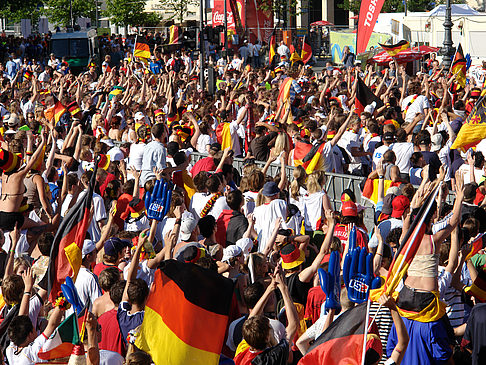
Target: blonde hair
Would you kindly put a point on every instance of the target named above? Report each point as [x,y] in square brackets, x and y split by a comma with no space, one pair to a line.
[96,120]
[299,180]
[281,144]
[19,261]
[316,181]
[260,199]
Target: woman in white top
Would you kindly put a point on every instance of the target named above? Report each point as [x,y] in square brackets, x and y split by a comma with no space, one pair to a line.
[136,149]
[205,139]
[315,203]
[297,188]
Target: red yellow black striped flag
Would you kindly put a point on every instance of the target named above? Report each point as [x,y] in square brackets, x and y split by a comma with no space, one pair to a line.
[55,112]
[342,342]
[306,53]
[458,68]
[273,48]
[174,34]
[186,315]
[393,49]
[66,256]
[364,97]
[141,48]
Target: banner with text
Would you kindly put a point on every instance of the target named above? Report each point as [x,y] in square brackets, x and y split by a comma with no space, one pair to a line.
[368,14]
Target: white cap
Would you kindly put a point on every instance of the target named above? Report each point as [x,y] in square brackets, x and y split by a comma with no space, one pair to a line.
[107,141]
[436,140]
[139,116]
[188,224]
[88,247]
[370,108]
[230,252]
[246,245]
[116,154]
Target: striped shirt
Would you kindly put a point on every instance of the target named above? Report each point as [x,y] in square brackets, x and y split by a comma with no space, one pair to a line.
[384,322]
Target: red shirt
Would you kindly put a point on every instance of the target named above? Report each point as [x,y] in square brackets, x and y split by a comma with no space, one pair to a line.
[121,206]
[341,232]
[315,298]
[111,337]
[100,267]
[204,164]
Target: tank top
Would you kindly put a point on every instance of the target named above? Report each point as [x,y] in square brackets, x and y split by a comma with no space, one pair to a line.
[31,192]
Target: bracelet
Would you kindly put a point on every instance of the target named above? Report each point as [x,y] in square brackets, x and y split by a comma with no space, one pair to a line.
[178,221]
[26,292]
[379,254]
[381,177]
[29,153]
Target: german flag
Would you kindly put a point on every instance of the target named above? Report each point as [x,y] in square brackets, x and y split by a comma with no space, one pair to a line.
[476,245]
[273,49]
[284,91]
[402,260]
[186,315]
[393,49]
[183,180]
[342,342]
[56,111]
[65,257]
[478,287]
[174,34]
[313,160]
[458,68]
[370,189]
[300,151]
[141,48]
[294,56]
[27,75]
[474,129]
[223,135]
[364,97]
[306,53]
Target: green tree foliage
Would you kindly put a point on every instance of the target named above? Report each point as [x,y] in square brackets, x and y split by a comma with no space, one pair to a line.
[126,12]
[14,10]
[151,19]
[58,11]
[178,7]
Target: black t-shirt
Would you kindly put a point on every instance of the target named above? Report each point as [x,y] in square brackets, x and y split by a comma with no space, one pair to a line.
[260,146]
[476,333]
[434,163]
[297,289]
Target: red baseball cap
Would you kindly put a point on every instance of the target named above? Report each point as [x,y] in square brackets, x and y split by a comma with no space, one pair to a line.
[349,209]
[399,205]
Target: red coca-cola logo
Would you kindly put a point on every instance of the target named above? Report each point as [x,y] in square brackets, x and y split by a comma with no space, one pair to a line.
[218,18]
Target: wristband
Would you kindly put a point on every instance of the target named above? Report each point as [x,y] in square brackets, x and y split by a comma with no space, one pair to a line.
[381,177]
[178,221]
[26,293]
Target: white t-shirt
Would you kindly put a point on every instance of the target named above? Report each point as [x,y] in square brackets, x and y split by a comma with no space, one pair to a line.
[417,107]
[87,287]
[144,272]
[265,216]
[65,204]
[99,213]
[313,210]
[234,138]
[348,141]
[378,154]
[198,201]
[403,152]
[28,355]
[202,142]
[218,207]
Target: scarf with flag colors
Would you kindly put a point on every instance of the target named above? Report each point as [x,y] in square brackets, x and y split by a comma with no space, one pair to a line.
[342,342]
[62,341]
[458,68]
[401,262]
[65,257]
[141,48]
[174,34]
[393,49]
[55,112]
[370,189]
[364,97]
[478,287]
[474,128]
[306,52]
[186,315]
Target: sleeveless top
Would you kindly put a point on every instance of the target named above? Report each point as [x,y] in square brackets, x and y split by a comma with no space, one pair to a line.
[31,192]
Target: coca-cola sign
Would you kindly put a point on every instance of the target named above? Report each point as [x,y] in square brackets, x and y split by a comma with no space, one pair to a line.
[218,18]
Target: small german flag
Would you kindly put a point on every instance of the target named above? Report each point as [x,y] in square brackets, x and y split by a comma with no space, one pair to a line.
[392,50]
[294,56]
[183,300]
[56,111]
[27,75]
[364,97]
[273,48]
[458,68]
[141,48]
[306,53]
[174,34]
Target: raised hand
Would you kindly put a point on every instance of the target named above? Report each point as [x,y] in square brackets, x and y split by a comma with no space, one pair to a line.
[331,282]
[157,203]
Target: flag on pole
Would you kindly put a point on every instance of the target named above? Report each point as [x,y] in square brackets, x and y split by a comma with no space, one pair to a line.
[364,97]
[273,48]
[306,53]
[65,257]
[402,260]
[458,68]
[62,341]
[474,128]
[141,48]
[174,34]
[294,56]
[186,315]
[393,49]
[55,112]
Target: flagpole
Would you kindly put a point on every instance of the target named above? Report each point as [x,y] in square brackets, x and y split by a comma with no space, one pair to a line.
[453,58]
[363,355]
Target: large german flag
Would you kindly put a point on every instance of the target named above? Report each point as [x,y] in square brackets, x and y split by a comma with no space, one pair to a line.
[141,48]
[300,151]
[370,189]
[474,129]
[393,49]
[186,315]
[223,135]
[174,34]
[306,53]
[458,68]
[401,262]
[65,256]
[342,342]
[313,161]
[364,97]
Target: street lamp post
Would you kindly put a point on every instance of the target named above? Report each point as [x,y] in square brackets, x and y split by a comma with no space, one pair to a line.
[201,45]
[447,50]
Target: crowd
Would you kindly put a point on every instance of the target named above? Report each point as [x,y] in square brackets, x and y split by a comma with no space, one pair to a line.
[139,122]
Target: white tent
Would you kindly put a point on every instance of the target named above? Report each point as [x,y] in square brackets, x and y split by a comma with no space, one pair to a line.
[456,10]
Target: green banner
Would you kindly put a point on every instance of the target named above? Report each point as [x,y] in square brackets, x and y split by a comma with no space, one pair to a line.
[339,40]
